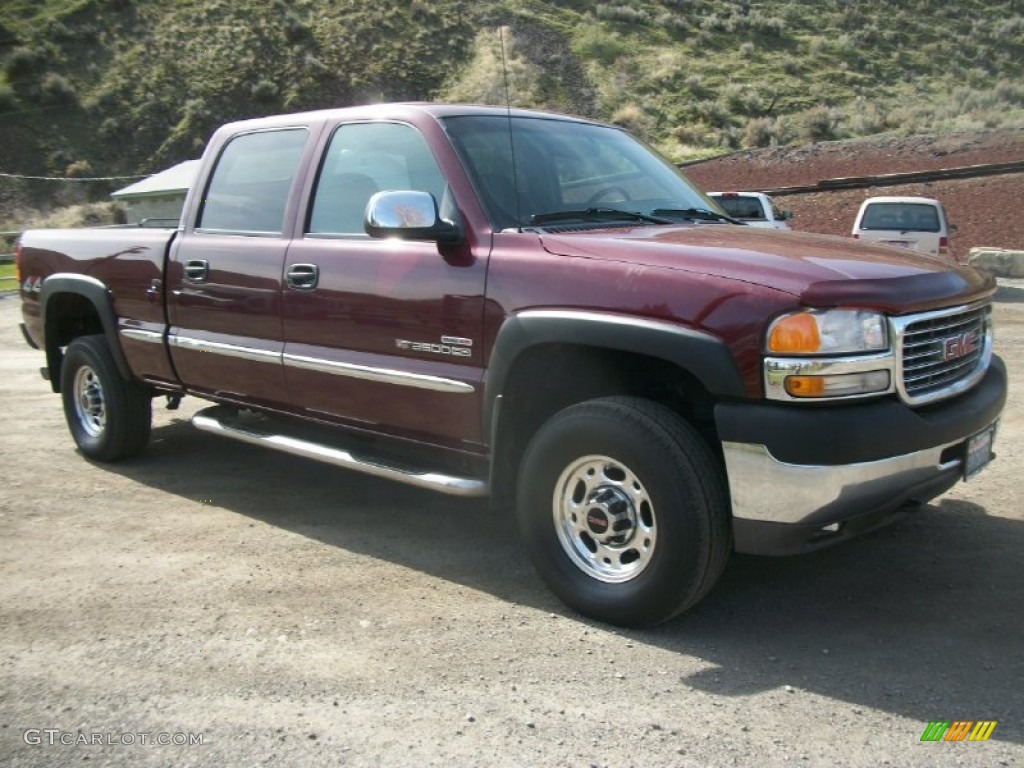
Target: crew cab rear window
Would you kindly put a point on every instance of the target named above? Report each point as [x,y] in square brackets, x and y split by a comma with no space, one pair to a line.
[906,217]
[249,188]
[365,158]
[741,207]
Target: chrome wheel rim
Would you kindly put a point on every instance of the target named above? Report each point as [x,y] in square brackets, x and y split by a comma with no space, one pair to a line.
[605,519]
[90,406]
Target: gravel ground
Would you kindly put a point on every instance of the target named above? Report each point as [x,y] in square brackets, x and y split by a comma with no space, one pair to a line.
[287,613]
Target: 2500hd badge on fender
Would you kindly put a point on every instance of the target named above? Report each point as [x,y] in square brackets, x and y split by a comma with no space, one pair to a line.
[538,308]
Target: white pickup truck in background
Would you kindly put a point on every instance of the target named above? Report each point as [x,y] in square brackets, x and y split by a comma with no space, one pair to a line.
[754,209]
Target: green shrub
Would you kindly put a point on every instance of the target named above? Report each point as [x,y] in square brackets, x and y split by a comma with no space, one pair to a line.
[79,169]
[23,62]
[673,22]
[1010,92]
[109,127]
[913,118]
[55,89]
[758,23]
[599,44]
[715,23]
[692,134]
[730,137]
[757,132]
[57,159]
[866,118]
[1009,30]
[264,91]
[626,14]
[8,99]
[767,132]
[696,86]
[818,124]
[634,119]
[732,97]
[295,29]
[314,66]
[715,113]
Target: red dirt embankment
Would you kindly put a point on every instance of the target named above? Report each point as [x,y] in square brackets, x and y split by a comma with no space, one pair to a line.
[988,211]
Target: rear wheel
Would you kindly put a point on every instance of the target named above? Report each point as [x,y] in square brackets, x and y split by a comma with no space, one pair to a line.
[623,509]
[109,418]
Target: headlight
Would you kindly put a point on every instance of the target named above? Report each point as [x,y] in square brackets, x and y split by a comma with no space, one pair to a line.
[828,332]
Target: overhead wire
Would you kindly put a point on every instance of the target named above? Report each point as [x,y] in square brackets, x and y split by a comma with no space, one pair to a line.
[72,178]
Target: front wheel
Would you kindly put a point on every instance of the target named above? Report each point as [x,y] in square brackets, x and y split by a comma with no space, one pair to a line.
[108,417]
[623,509]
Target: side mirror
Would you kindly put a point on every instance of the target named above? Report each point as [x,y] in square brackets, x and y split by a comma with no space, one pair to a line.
[786,215]
[952,228]
[409,215]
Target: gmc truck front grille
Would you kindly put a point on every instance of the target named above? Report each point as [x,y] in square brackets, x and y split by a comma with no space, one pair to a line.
[942,353]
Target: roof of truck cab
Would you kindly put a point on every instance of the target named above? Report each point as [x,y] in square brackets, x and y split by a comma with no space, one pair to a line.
[902,199]
[396,110]
[739,194]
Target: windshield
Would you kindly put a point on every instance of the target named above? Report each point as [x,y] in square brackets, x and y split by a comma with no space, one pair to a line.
[564,166]
[906,217]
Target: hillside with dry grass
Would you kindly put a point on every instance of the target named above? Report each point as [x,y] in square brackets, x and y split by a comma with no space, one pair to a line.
[110,87]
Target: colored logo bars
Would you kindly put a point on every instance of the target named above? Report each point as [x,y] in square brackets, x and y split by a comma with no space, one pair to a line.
[959,730]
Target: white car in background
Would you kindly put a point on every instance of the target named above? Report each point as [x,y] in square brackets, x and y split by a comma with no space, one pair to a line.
[917,223]
[754,209]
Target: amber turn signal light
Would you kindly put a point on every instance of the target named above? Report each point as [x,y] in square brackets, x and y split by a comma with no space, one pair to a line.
[838,384]
[805,386]
[795,333]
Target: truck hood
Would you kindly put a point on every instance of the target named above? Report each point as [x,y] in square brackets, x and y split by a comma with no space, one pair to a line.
[821,270]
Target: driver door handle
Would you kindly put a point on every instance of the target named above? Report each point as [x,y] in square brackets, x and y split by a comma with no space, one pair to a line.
[302,277]
[196,270]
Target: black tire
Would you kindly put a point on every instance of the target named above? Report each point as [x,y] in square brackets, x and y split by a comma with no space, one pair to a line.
[623,509]
[109,418]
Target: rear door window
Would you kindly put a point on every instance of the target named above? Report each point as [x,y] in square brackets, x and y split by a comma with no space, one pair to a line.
[250,185]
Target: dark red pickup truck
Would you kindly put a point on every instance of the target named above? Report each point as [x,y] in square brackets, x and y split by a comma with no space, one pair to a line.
[538,308]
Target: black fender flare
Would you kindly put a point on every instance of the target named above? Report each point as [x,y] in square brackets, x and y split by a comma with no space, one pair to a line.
[97,294]
[703,355]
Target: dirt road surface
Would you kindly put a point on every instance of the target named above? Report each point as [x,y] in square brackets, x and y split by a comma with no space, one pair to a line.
[287,613]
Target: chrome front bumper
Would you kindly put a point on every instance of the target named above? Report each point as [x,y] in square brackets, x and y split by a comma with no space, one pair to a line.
[766,489]
[804,477]
[786,509]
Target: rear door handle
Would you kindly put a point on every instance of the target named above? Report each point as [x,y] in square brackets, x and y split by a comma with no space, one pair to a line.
[196,270]
[302,277]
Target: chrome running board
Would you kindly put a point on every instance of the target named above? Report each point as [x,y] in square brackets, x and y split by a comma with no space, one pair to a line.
[209,420]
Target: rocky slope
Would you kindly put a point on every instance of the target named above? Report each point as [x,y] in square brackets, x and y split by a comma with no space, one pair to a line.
[986,210]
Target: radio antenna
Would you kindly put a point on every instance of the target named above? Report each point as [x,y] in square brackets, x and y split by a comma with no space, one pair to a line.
[511,139]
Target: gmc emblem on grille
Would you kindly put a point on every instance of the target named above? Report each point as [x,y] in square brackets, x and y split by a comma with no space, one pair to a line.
[959,346]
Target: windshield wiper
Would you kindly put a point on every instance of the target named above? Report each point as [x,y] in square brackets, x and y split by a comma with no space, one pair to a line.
[696,214]
[596,214]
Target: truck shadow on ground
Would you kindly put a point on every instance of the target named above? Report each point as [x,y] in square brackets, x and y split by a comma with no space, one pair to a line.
[923,619]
